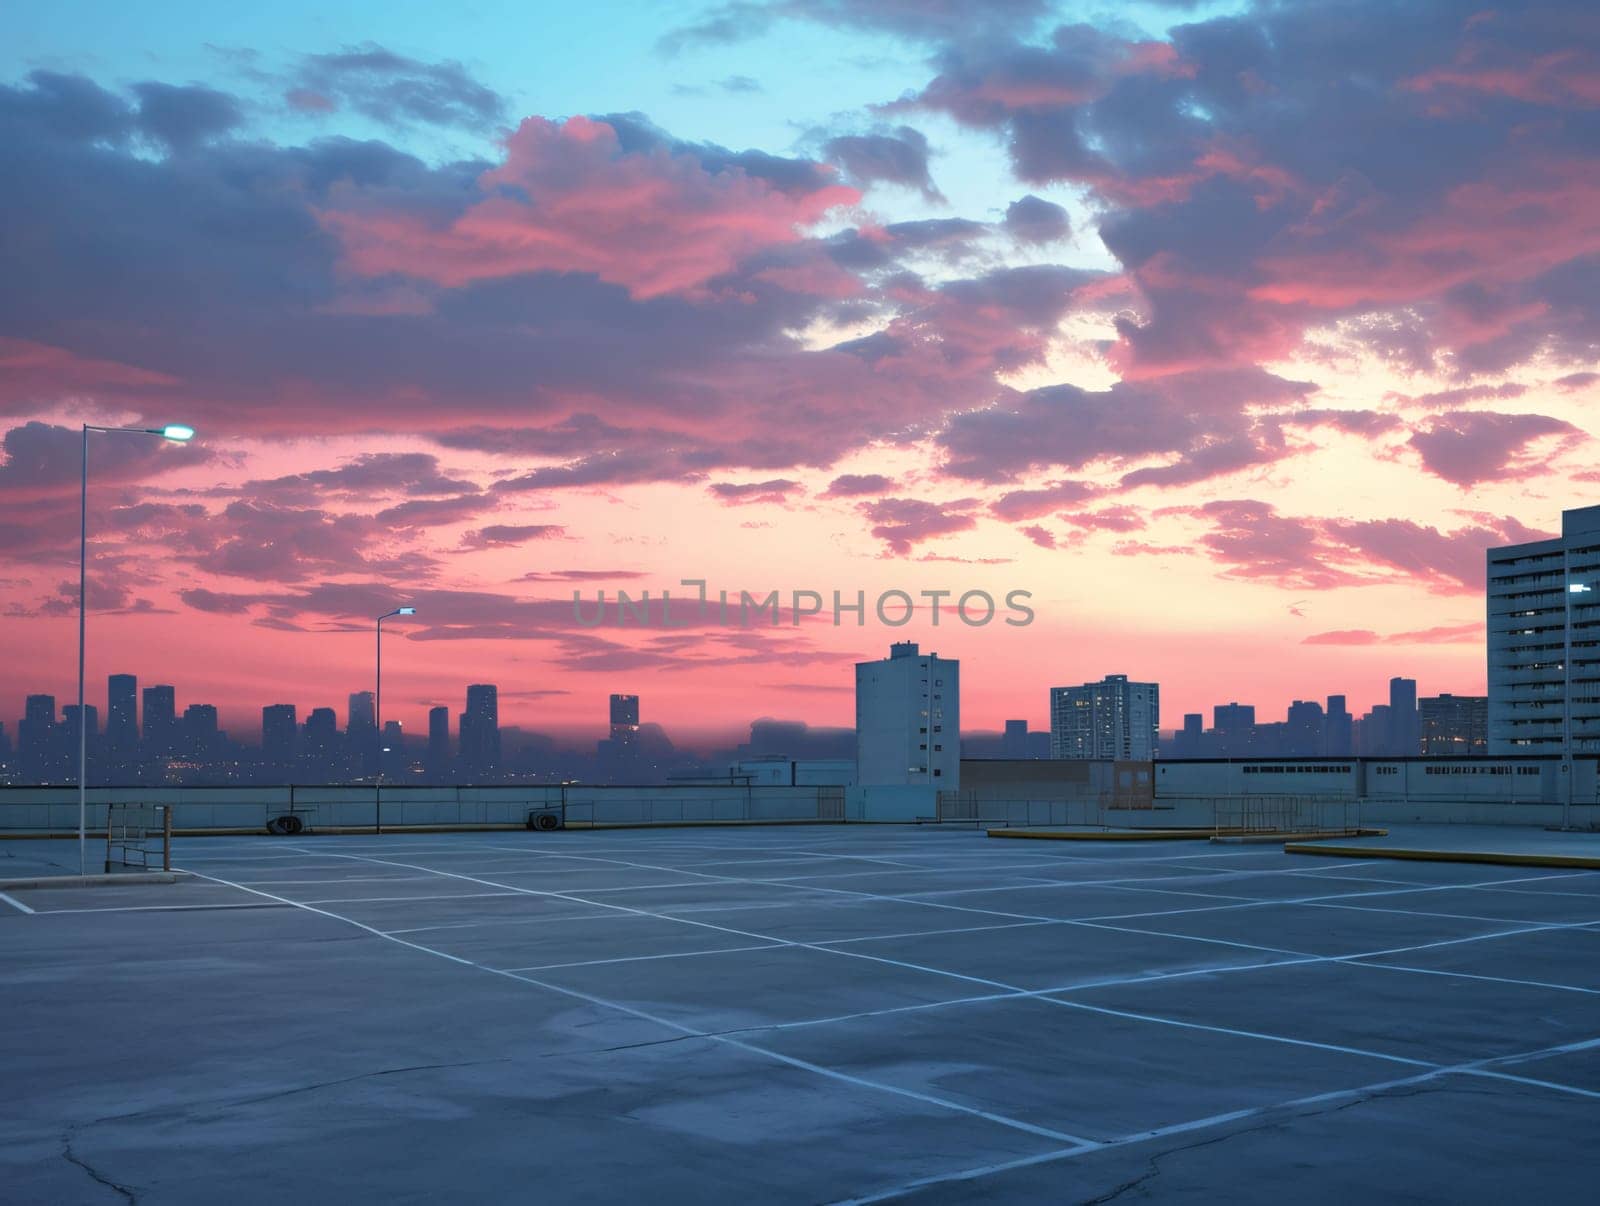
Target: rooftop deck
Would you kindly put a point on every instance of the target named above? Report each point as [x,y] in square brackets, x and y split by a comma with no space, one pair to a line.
[797,1015]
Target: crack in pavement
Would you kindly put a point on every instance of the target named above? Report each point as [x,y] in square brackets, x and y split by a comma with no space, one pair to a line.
[72,1157]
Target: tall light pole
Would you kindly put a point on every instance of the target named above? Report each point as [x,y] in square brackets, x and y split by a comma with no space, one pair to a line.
[377,718]
[179,434]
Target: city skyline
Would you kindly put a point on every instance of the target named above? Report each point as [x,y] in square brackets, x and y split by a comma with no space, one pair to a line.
[145,732]
[951,297]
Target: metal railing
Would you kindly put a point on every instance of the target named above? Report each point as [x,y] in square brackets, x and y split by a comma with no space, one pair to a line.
[138,833]
[1269,814]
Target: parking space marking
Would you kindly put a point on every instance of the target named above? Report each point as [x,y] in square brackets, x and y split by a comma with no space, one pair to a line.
[690,1031]
[1012,988]
[1475,1067]
[15,903]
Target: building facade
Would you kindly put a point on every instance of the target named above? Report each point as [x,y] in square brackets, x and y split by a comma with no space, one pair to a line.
[908,720]
[1111,720]
[1543,612]
[1454,726]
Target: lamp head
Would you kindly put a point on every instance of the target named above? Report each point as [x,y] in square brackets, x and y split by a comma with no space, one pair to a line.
[176,432]
[406,611]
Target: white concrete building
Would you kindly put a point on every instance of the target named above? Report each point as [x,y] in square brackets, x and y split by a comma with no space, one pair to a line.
[1111,720]
[1543,609]
[908,720]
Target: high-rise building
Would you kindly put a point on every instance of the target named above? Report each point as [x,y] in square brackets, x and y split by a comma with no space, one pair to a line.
[122,714]
[1375,733]
[1338,729]
[278,732]
[1403,739]
[40,749]
[69,734]
[1543,605]
[392,750]
[1305,730]
[1014,744]
[1110,719]
[479,731]
[319,747]
[1454,726]
[625,711]
[160,721]
[438,740]
[908,719]
[201,736]
[1190,740]
[361,731]
[1233,729]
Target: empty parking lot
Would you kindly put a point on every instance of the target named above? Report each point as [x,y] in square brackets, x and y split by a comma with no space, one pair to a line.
[814,1014]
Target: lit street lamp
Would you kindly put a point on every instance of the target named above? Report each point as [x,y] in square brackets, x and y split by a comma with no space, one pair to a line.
[377,719]
[177,433]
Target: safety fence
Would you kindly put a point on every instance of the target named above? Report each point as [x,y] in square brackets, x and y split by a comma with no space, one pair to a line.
[139,835]
[1270,814]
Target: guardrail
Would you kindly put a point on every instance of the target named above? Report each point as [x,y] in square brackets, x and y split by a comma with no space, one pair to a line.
[44,811]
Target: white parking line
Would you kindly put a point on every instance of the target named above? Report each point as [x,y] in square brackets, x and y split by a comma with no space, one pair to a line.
[690,1031]
[15,903]
[1013,988]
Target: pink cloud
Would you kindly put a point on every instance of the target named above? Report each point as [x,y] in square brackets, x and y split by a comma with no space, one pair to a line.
[568,198]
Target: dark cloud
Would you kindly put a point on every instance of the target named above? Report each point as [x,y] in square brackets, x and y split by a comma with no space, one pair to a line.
[45,459]
[1259,174]
[1032,219]
[775,490]
[393,89]
[922,20]
[509,535]
[1251,541]
[903,523]
[1196,420]
[853,485]
[182,118]
[899,156]
[1475,446]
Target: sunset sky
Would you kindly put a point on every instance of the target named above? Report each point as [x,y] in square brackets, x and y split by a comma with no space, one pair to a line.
[1233,332]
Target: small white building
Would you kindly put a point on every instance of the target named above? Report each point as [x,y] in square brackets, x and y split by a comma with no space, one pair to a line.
[1111,720]
[908,720]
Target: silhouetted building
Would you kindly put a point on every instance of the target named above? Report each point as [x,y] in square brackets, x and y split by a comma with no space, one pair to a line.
[201,736]
[1303,730]
[1404,740]
[1015,742]
[160,721]
[479,731]
[624,712]
[122,715]
[393,749]
[1454,725]
[69,735]
[1233,727]
[361,731]
[1338,729]
[38,741]
[319,746]
[1375,733]
[438,741]
[1189,741]
[908,719]
[279,728]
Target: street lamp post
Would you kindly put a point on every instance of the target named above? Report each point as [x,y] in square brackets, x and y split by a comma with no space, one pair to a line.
[179,434]
[377,718]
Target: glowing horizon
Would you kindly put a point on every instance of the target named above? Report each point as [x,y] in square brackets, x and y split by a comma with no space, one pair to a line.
[1236,368]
